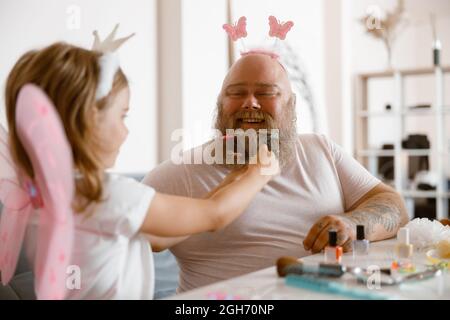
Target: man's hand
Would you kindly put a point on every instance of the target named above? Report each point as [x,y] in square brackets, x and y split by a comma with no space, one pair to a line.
[381,211]
[317,238]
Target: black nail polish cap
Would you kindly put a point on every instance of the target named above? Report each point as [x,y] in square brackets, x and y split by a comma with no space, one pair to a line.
[360,232]
[332,238]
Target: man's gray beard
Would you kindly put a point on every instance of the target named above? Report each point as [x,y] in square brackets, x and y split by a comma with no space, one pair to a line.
[286,125]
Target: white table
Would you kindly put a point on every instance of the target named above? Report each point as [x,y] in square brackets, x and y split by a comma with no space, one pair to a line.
[265,284]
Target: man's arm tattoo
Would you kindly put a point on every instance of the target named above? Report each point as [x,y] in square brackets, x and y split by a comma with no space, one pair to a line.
[379,210]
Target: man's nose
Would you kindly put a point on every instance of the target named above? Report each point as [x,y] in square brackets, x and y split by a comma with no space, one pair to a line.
[251,103]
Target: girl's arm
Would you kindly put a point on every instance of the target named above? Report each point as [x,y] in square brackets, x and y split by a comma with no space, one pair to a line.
[174,216]
[162,243]
[231,177]
[159,244]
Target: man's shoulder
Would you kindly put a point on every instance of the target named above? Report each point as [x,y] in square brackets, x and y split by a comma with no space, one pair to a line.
[311,136]
[184,171]
[190,160]
[165,172]
[312,140]
[168,177]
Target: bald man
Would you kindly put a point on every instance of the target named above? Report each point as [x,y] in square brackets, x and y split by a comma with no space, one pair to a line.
[319,188]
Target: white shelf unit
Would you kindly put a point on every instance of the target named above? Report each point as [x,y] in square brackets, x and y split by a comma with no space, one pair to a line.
[398,112]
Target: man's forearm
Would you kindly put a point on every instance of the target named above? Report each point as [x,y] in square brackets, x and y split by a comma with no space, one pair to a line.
[382,215]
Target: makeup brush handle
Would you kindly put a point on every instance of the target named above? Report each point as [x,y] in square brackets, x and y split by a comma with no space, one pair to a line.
[323,269]
[332,287]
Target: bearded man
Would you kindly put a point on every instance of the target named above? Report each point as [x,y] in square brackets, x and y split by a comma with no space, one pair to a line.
[319,188]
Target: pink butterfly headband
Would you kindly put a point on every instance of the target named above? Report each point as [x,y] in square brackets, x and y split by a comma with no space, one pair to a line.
[277,30]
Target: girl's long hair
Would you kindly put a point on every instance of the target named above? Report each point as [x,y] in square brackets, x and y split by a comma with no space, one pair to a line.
[69,75]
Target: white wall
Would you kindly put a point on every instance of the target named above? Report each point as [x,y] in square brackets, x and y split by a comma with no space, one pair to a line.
[192,63]
[362,53]
[204,63]
[170,82]
[413,47]
[334,66]
[28,24]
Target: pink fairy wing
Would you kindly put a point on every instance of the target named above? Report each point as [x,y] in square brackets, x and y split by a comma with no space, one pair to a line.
[9,181]
[43,137]
[12,195]
[13,224]
[15,213]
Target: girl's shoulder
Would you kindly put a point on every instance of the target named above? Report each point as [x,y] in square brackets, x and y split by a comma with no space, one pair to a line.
[123,207]
[114,180]
[119,188]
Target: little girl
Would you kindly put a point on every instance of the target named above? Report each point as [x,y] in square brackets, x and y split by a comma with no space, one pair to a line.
[114,214]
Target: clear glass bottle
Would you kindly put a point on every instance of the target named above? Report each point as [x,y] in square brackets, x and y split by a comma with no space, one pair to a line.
[403,253]
[403,249]
[361,245]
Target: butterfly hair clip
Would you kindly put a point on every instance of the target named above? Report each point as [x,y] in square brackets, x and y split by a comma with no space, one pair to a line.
[279,29]
[237,30]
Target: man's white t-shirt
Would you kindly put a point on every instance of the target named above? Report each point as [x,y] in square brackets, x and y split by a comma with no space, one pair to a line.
[320,180]
[115,261]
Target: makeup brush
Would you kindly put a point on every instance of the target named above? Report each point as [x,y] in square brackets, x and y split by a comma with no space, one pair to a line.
[291,265]
[241,142]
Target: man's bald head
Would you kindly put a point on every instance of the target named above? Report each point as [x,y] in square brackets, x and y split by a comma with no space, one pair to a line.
[261,68]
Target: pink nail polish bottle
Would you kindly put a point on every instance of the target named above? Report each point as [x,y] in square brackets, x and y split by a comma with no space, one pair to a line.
[333,252]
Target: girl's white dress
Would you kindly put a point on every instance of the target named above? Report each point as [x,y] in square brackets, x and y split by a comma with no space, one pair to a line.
[111,259]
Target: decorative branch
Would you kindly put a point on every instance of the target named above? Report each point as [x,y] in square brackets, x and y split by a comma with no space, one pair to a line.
[388,28]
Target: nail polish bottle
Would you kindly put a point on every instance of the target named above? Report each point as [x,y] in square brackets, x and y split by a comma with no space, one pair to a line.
[403,252]
[403,249]
[361,245]
[333,252]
